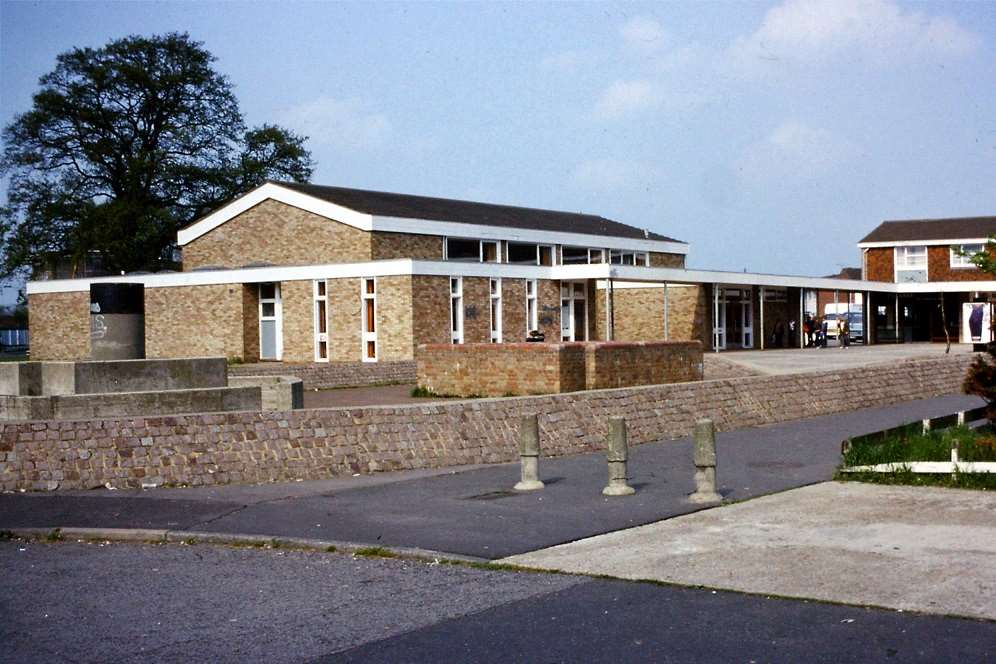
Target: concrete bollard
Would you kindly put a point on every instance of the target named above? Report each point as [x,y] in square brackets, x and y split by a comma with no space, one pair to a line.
[704,457]
[529,454]
[617,454]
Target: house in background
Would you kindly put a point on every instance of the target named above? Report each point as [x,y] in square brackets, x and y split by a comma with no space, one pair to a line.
[924,259]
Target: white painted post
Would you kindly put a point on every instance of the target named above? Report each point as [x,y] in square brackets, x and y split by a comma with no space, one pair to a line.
[529,454]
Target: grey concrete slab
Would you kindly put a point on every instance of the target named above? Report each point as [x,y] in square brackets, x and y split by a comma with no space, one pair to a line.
[796,360]
[474,513]
[912,548]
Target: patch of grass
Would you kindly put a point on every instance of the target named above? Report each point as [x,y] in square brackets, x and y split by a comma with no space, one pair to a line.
[331,549]
[973,445]
[54,535]
[375,552]
[6,536]
[419,392]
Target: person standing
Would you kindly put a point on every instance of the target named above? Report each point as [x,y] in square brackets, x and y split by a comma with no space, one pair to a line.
[823,332]
[844,330]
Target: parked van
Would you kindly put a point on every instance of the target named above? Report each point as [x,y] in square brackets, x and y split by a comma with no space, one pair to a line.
[834,313]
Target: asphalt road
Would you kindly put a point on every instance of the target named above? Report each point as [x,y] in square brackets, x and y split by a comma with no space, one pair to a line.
[71,602]
[474,512]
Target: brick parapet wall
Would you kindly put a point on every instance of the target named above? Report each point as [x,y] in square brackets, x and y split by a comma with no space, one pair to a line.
[549,368]
[326,375]
[317,444]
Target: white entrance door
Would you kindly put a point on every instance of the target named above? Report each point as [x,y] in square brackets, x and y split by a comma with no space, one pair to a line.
[270,337]
[573,311]
[747,323]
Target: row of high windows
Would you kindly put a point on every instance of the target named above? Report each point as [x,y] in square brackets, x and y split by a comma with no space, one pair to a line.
[525,253]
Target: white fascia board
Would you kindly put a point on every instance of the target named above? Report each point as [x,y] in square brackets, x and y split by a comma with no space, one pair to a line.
[626,285]
[633,273]
[921,243]
[249,275]
[948,287]
[479,232]
[282,194]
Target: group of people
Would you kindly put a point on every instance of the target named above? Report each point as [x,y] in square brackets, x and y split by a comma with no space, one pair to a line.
[816,327]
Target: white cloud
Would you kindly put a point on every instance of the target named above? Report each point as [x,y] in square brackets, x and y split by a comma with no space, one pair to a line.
[794,151]
[344,124]
[643,33]
[623,97]
[814,31]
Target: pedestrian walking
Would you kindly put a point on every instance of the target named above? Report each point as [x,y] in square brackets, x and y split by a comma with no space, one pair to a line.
[844,330]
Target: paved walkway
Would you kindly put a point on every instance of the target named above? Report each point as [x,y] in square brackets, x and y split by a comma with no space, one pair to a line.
[912,548]
[802,360]
[473,512]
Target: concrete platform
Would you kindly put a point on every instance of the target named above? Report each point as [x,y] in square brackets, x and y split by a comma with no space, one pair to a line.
[911,548]
[802,360]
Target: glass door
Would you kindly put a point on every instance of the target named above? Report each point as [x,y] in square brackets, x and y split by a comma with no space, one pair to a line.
[573,311]
[270,341]
[747,324]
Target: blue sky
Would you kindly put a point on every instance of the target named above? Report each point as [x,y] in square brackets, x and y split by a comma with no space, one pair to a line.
[771,136]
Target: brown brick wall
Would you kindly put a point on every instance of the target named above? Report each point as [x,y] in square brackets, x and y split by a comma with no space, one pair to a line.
[195,321]
[59,326]
[325,375]
[431,310]
[533,368]
[406,245]
[658,259]
[277,233]
[513,310]
[476,310]
[228,448]
[879,264]
[297,305]
[548,293]
[939,267]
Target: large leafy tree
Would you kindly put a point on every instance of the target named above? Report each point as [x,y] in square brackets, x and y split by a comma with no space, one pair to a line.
[123,145]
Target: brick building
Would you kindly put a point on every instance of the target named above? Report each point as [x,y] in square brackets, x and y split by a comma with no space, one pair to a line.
[324,276]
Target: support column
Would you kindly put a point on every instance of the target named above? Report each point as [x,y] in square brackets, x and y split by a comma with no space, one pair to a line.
[667,314]
[798,327]
[760,307]
[715,317]
[898,329]
[608,310]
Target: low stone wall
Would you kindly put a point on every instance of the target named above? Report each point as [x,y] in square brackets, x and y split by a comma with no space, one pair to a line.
[123,404]
[102,377]
[278,392]
[315,444]
[327,375]
[552,368]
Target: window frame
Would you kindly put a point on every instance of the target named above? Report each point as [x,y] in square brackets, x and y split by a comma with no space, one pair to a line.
[456,310]
[957,262]
[368,336]
[320,337]
[494,308]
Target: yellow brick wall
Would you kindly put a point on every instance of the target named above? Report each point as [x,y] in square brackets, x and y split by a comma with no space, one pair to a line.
[344,320]
[59,326]
[195,321]
[250,322]
[688,314]
[406,245]
[431,310]
[658,259]
[549,309]
[277,233]
[394,318]
[297,302]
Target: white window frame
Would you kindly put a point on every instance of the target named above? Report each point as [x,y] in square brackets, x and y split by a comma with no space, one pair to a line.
[494,289]
[964,262]
[639,258]
[532,305]
[277,317]
[365,335]
[903,264]
[321,337]
[480,249]
[572,299]
[553,253]
[456,310]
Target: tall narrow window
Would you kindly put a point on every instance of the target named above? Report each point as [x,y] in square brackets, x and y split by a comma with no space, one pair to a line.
[270,323]
[456,310]
[368,300]
[321,322]
[496,310]
[532,311]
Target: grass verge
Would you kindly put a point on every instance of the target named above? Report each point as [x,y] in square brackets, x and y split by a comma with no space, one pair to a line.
[973,445]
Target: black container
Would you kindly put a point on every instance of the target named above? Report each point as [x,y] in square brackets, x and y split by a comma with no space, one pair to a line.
[117,321]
